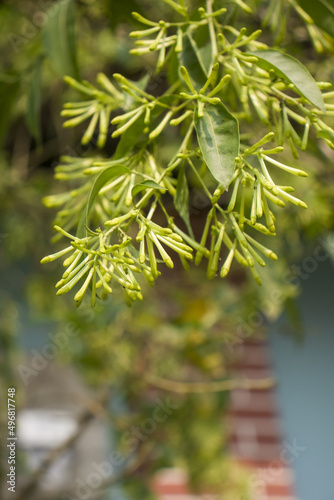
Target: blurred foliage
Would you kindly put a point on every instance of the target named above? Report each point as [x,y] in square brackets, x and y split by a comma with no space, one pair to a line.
[188,328]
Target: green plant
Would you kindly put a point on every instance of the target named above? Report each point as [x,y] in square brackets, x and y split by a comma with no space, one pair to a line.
[242,110]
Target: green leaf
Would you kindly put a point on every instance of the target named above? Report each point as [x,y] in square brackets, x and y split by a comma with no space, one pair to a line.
[181,200]
[59,39]
[291,70]
[33,115]
[191,59]
[218,138]
[322,13]
[131,136]
[144,185]
[100,181]
[9,90]
[129,100]
[327,134]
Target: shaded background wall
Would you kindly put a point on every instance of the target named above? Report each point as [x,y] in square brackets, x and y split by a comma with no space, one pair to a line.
[305,372]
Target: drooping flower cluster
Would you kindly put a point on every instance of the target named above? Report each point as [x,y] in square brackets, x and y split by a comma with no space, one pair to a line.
[212,104]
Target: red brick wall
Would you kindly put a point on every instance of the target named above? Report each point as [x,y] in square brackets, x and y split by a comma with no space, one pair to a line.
[256,440]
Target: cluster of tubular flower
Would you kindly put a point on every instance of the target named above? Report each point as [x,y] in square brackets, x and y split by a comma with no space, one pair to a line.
[100,263]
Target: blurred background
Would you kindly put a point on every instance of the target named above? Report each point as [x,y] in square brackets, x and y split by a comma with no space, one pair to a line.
[98,414]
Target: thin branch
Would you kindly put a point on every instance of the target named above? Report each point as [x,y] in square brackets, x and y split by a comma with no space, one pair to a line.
[215,386]
[131,467]
[32,484]
[213,39]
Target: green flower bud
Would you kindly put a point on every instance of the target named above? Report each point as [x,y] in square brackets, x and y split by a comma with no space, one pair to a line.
[237,254]
[268,137]
[217,194]
[142,256]
[212,78]
[223,82]
[125,116]
[66,288]
[179,41]
[73,265]
[268,215]
[231,204]
[73,122]
[266,251]
[256,256]
[128,124]
[181,118]
[164,255]
[157,131]
[93,295]
[248,256]
[144,33]
[256,276]
[239,234]
[200,253]
[186,78]
[292,199]
[305,136]
[90,129]
[151,255]
[273,198]
[149,277]
[103,282]
[253,215]
[143,20]
[228,261]
[55,256]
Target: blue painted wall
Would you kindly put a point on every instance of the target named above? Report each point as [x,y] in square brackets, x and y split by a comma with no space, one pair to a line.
[305,373]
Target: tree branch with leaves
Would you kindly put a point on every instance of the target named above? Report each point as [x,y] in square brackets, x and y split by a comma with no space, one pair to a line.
[221,84]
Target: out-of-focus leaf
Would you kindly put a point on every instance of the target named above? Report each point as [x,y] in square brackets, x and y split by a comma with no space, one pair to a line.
[142,84]
[59,39]
[33,113]
[9,89]
[144,185]
[118,12]
[131,136]
[191,59]
[322,13]
[327,134]
[100,181]
[218,138]
[290,69]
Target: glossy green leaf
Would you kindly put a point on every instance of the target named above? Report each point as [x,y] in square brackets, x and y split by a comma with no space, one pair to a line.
[100,181]
[181,200]
[291,70]
[191,59]
[33,114]
[59,39]
[218,138]
[144,185]
[322,13]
